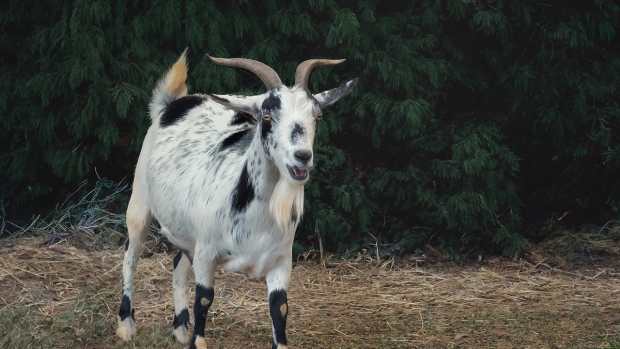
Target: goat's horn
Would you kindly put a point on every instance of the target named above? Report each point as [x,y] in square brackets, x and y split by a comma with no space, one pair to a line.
[304,69]
[268,76]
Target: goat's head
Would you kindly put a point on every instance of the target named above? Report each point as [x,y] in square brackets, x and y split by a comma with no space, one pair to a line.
[287,116]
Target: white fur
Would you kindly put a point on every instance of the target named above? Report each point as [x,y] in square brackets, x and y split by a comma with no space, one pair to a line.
[287,198]
[190,182]
[192,197]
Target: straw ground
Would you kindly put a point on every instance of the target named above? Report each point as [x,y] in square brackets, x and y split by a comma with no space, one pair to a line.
[65,295]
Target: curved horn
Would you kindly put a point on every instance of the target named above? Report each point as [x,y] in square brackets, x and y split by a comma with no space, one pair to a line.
[268,76]
[304,69]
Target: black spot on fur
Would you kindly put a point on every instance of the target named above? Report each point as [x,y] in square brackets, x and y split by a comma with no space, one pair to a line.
[242,118]
[244,192]
[297,132]
[126,244]
[176,110]
[177,259]
[271,103]
[125,310]
[200,309]
[233,139]
[276,299]
[181,320]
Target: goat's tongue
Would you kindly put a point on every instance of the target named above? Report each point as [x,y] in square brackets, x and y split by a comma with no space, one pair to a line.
[299,172]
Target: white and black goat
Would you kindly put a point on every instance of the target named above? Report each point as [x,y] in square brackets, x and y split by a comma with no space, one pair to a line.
[224,176]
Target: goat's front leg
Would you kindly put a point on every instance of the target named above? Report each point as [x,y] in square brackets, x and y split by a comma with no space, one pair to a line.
[277,285]
[204,271]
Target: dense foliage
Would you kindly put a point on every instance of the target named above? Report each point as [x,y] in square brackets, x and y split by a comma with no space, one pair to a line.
[472,117]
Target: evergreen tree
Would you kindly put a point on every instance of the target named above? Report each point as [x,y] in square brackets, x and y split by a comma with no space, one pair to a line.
[471,117]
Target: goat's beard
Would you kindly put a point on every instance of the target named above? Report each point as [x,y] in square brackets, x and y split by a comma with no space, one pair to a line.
[287,204]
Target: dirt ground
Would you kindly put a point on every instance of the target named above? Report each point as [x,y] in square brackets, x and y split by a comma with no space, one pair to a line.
[62,296]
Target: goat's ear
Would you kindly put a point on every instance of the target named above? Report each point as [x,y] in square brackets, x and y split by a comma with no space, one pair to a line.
[241,104]
[329,97]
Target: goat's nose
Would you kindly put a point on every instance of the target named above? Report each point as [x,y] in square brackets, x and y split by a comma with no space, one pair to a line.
[303,156]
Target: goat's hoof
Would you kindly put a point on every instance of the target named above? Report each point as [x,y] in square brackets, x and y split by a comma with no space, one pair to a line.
[126,329]
[181,334]
[200,343]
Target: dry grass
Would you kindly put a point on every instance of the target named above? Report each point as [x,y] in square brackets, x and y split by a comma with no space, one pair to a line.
[61,296]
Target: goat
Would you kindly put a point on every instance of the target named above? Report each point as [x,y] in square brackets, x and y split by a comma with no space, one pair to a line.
[224,176]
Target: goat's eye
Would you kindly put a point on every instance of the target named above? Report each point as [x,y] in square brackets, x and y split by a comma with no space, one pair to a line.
[267,117]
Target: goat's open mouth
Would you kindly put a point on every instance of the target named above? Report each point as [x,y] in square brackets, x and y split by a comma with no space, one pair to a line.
[298,173]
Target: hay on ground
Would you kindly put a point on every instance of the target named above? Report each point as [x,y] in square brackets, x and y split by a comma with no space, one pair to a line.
[344,304]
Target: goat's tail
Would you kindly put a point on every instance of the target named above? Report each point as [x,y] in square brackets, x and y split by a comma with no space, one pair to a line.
[171,87]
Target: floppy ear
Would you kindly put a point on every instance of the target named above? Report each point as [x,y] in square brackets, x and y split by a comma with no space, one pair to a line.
[329,97]
[247,105]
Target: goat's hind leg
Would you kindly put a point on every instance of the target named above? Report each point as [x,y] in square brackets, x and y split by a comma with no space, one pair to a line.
[138,221]
[182,266]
